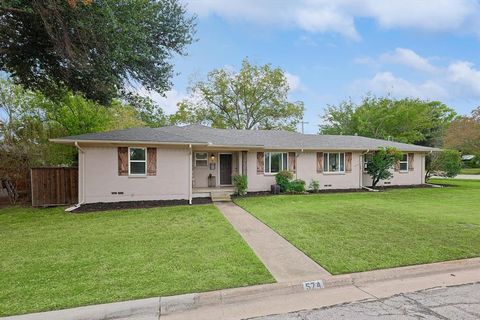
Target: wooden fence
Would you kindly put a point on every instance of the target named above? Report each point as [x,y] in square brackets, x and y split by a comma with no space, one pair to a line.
[54,186]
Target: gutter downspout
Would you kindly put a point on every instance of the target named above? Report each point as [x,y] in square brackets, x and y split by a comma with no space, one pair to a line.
[190,174]
[81,177]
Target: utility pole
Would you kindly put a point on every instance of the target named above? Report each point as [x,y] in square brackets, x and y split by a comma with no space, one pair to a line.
[303,123]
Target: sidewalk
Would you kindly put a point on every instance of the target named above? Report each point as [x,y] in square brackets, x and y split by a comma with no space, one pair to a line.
[284,261]
[262,300]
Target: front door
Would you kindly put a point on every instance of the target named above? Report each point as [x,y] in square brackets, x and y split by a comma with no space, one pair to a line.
[225,169]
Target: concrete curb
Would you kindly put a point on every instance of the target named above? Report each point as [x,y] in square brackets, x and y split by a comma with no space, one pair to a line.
[153,308]
[134,308]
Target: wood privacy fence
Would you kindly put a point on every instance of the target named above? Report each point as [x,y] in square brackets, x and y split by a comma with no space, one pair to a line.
[54,186]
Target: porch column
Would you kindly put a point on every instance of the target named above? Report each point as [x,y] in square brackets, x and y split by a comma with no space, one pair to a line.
[190,176]
[240,162]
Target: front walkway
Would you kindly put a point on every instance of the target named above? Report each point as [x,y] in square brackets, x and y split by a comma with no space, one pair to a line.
[284,261]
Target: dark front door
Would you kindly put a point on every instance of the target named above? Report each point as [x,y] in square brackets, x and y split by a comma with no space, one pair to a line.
[225,169]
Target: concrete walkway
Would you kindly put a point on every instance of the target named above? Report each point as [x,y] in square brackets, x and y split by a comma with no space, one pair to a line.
[284,261]
[462,177]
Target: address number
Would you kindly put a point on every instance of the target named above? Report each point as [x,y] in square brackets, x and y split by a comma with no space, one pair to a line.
[313,285]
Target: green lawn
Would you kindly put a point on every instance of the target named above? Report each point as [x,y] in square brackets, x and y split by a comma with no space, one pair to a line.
[470,171]
[50,259]
[349,232]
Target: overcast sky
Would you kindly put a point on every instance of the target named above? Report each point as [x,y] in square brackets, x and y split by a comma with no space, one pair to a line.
[333,50]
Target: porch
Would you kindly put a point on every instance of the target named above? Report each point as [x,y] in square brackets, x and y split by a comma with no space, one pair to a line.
[213,172]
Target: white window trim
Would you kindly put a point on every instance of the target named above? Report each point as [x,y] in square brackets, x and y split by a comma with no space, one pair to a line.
[206,159]
[144,161]
[400,164]
[270,163]
[328,164]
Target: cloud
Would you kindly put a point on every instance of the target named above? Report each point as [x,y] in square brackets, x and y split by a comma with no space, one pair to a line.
[168,102]
[321,16]
[408,58]
[457,80]
[384,83]
[293,82]
[465,78]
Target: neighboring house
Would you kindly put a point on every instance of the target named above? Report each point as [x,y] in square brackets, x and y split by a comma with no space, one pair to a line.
[192,161]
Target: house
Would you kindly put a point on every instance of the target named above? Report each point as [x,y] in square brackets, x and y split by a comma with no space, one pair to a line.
[184,162]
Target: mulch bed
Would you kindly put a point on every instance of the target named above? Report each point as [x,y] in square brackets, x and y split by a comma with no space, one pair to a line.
[122,205]
[381,188]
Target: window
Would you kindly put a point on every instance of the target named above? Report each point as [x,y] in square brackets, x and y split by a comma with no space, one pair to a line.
[367,158]
[201,159]
[404,163]
[137,161]
[334,162]
[275,162]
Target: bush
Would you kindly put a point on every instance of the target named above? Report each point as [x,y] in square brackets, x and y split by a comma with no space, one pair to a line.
[297,185]
[283,179]
[314,186]
[241,184]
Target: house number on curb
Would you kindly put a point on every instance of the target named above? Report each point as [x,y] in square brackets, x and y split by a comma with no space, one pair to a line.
[313,285]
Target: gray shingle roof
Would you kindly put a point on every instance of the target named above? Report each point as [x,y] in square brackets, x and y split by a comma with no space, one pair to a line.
[268,139]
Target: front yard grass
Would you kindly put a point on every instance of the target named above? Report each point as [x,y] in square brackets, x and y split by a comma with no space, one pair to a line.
[470,171]
[350,232]
[50,259]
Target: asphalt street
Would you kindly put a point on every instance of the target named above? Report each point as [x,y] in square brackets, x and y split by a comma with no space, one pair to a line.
[458,302]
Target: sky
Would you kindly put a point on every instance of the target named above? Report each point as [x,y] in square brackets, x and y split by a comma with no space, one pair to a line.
[343,49]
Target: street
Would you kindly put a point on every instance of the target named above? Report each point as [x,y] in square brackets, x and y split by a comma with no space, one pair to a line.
[457,302]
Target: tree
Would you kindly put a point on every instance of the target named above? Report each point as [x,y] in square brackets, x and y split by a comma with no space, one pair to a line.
[148,112]
[406,120]
[254,97]
[98,48]
[464,133]
[447,163]
[381,163]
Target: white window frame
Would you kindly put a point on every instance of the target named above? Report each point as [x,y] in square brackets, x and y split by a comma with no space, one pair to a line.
[144,161]
[206,160]
[270,162]
[327,162]
[404,162]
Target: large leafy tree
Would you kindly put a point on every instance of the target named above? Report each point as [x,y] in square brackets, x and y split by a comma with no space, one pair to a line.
[97,48]
[255,97]
[381,163]
[406,120]
[464,133]
[446,162]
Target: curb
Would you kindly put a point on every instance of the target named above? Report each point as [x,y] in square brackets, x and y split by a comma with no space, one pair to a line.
[153,308]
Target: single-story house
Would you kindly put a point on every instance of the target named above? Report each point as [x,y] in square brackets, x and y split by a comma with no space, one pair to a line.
[184,162]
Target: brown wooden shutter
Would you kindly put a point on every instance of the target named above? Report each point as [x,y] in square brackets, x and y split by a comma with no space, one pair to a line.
[292,161]
[410,161]
[123,161]
[260,163]
[397,165]
[319,162]
[348,161]
[151,161]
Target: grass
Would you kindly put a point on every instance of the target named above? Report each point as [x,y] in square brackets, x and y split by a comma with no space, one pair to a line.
[350,232]
[470,171]
[50,259]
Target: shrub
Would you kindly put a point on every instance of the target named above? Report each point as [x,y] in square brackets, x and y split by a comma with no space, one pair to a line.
[283,179]
[314,186]
[241,183]
[297,185]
